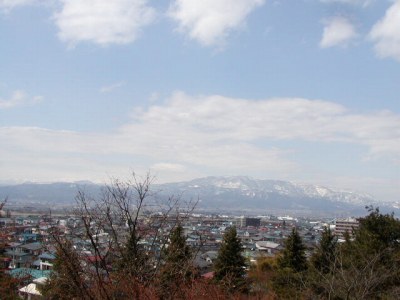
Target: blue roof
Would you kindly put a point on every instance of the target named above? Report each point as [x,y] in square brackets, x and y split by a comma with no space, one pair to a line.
[29,234]
[22,272]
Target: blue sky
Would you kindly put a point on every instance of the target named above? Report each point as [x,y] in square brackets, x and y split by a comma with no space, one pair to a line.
[306,90]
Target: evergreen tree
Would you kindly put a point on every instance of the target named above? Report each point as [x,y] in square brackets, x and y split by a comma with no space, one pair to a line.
[379,231]
[229,268]
[134,261]
[294,253]
[177,269]
[324,256]
[289,281]
[368,263]
[67,279]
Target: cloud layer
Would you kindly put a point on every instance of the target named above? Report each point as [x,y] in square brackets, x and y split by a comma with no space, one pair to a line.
[209,21]
[338,31]
[102,22]
[202,135]
[386,33]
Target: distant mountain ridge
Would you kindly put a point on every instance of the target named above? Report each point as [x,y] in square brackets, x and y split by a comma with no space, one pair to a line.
[248,194]
[223,194]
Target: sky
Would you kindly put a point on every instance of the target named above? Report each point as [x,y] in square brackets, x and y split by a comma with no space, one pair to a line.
[306,91]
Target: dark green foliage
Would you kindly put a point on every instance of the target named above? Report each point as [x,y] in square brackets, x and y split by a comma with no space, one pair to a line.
[134,259]
[363,267]
[68,279]
[324,255]
[379,231]
[177,253]
[293,255]
[177,269]
[229,268]
[289,280]
[288,284]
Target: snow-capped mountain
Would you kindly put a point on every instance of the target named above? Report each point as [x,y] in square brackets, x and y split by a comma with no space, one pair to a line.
[245,193]
[228,194]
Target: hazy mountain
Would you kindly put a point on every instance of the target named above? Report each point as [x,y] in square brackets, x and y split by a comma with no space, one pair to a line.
[244,193]
[226,194]
[46,193]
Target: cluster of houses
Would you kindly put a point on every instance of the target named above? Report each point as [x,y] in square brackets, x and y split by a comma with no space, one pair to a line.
[28,253]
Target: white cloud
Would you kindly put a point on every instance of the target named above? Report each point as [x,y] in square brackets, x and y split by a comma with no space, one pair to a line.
[19,98]
[386,33]
[102,22]
[210,21]
[203,135]
[338,31]
[109,88]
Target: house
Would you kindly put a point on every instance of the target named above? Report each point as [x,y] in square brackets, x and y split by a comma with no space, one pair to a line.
[46,261]
[31,291]
[19,257]
[32,248]
[269,247]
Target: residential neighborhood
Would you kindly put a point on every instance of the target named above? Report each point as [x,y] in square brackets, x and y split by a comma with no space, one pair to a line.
[29,248]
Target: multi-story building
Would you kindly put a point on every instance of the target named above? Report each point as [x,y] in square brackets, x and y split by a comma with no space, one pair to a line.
[246,221]
[346,225]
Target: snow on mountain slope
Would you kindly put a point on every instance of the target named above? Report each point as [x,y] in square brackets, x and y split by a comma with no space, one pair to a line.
[245,192]
[239,193]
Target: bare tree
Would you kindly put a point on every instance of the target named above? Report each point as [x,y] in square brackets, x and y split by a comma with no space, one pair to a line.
[120,237]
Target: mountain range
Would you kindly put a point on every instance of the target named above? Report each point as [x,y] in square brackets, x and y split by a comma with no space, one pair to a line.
[235,194]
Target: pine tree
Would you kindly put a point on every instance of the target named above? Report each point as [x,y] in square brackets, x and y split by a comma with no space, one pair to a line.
[324,256]
[229,268]
[294,253]
[368,262]
[379,231]
[67,279]
[134,261]
[177,269]
[289,281]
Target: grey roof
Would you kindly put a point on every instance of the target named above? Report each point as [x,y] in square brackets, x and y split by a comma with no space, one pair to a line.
[32,246]
[47,255]
[15,253]
[36,263]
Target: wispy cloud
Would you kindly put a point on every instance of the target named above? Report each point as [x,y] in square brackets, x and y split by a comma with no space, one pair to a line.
[102,22]
[386,33]
[19,98]
[338,31]
[211,133]
[109,88]
[208,21]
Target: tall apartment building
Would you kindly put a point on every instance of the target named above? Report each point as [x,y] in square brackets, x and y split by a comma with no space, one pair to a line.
[346,225]
[245,221]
